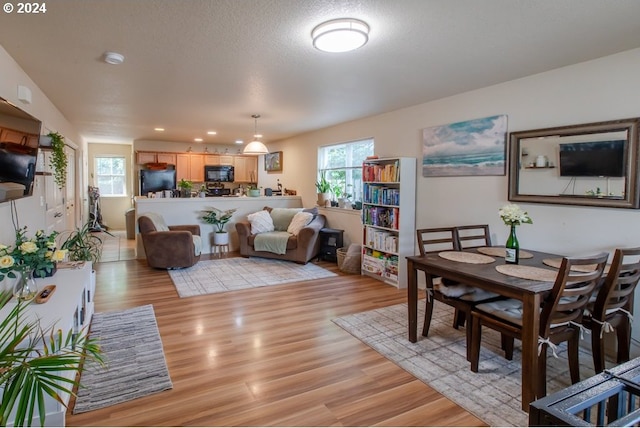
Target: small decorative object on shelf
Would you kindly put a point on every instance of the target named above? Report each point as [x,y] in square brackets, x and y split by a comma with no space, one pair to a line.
[512,215]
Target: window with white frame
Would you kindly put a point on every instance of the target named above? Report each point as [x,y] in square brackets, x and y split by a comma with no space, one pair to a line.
[110,175]
[341,165]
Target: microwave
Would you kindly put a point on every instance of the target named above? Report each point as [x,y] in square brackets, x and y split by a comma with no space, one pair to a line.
[222,173]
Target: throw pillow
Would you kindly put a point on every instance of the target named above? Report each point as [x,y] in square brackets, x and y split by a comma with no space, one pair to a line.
[260,222]
[282,217]
[299,221]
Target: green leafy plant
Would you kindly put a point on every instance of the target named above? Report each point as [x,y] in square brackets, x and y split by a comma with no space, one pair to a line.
[59,159]
[38,254]
[32,360]
[218,218]
[82,245]
[185,184]
[322,185]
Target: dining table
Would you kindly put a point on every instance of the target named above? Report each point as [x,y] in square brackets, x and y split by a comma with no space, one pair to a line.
[487,277]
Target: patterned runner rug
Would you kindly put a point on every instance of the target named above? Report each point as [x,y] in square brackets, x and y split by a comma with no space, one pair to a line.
[439,360]
[135,363]
[239,273]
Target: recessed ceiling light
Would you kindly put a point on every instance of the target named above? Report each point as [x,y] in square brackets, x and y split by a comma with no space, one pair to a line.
[239,142]
[198,140]
[113,58]
[211,132]
[159,129]
[340,35]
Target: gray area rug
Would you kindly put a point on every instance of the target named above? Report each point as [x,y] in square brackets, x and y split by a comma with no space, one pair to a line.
[135,363]
[239,273]
[439,360]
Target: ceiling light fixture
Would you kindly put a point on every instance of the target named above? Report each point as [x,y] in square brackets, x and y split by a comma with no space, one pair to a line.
[255,147]
[113,58]
[211,132]
[340,35]
[158,129]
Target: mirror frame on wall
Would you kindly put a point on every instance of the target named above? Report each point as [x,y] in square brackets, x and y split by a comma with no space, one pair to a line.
[630,198]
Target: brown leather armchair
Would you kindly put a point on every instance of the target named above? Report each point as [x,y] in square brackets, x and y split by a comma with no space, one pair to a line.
[169,247]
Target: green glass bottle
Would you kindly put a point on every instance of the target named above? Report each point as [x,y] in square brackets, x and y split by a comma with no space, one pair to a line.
[512,249]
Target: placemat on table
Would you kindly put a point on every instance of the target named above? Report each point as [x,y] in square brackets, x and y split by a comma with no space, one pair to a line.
[582,268]
[528,272]
[500,252]
[464,257]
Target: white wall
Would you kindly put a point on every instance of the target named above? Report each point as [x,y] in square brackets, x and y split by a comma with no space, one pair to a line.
[30,210]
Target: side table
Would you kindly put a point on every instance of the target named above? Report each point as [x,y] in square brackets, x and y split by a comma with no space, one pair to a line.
[330,241]
[219,250]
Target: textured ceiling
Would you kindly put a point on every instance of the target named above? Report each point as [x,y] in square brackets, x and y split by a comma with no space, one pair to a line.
[199,65]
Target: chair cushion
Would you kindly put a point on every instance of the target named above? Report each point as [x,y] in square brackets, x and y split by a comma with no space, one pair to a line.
[158,222]
[508,309]
[282,217]
[300,220]
[261,222]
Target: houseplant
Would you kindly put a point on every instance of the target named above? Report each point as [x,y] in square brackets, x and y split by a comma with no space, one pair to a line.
[82,245]
[324,189]
[218,219]
[58,159]
[253,190]
[37,255]
[185,188]
[32,361]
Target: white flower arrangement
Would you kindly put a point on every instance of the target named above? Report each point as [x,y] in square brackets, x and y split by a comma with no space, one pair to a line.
[512,215]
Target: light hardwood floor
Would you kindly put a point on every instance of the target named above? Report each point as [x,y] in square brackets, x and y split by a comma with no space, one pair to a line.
[267,357]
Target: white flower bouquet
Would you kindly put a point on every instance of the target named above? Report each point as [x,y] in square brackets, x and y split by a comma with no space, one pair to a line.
[513,215]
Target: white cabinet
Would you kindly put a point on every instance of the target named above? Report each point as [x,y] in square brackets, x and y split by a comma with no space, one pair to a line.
[69,308]
[388,218]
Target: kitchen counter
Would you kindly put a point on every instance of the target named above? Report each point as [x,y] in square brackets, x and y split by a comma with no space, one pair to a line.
[189,211]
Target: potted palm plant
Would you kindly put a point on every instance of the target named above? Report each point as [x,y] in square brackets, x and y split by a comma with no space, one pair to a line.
[219,218]
[324,190]
[33,360]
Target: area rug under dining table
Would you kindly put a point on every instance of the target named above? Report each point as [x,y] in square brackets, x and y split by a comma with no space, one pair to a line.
[439,360]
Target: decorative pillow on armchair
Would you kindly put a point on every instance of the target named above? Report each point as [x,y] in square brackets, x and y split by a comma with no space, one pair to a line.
[260,222]
[282,217]
[299,221]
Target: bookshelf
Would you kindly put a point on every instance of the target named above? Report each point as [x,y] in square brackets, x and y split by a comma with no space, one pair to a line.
[388,218]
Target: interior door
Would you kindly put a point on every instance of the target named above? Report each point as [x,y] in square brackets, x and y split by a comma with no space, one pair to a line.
[70,190]
[54,199]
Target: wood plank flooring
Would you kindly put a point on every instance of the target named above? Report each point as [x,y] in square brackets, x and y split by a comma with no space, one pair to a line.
[267,357]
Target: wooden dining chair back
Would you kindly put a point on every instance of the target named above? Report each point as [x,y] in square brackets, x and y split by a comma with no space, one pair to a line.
[560,316]
[459,296]
[612,307]
[473,236]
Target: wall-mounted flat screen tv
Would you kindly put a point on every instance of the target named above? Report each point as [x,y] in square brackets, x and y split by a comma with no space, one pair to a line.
[19,141]
[593,159]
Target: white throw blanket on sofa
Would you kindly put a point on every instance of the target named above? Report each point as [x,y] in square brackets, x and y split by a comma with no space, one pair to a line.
[273,242]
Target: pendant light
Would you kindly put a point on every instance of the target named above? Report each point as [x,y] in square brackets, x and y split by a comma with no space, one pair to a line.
[255,147]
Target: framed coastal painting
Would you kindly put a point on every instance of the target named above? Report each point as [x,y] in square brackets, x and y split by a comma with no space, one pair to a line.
[474,147]
[273,161]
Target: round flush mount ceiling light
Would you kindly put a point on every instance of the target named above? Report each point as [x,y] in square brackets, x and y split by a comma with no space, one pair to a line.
[113,58]
[340,35]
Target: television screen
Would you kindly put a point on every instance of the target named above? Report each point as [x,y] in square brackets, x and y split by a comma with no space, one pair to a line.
[19,136]
[593,159]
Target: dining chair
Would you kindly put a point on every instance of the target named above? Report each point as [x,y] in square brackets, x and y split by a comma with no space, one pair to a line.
[611,307]
[560,316]
[459,296]
[473,236]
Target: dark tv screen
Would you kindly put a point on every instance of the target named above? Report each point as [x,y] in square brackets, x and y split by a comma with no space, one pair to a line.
[19,137]
[593,159]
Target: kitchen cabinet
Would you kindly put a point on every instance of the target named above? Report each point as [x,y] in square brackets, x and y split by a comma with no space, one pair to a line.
[212,159]
[154,157]
[226,159]
[245,169]
[190,167]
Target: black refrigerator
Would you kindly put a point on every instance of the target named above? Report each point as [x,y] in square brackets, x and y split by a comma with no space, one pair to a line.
[157,180]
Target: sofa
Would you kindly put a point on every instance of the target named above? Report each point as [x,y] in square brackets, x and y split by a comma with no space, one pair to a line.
[301,246]
[169,247]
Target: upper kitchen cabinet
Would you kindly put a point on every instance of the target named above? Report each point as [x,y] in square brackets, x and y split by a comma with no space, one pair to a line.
[190,167]
[245,169]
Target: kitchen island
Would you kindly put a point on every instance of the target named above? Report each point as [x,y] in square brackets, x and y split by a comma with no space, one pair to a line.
[189,211]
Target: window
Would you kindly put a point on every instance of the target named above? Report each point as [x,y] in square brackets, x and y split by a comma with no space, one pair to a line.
[110,175]
[341,165]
